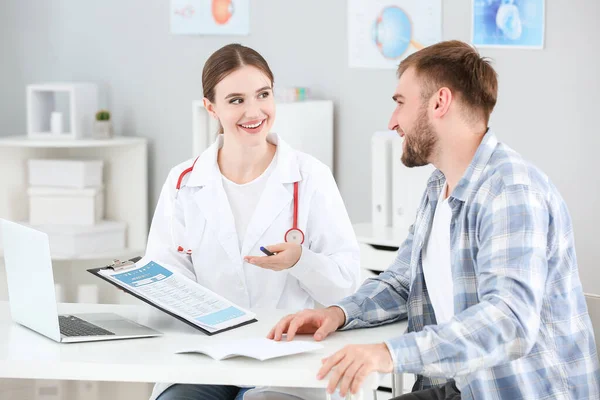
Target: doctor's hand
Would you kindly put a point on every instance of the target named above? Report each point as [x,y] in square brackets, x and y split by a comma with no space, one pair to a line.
[321,322]
[350,366]
[286,256]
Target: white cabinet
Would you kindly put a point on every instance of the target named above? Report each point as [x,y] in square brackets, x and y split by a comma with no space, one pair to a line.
[307,126]
[378,249]
[125,198]
[378,246]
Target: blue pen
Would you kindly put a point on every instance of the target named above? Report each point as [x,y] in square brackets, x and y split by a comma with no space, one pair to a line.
[267,252]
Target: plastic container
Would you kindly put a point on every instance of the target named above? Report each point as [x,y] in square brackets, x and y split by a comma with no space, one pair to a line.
[85,241]
[61,206]
[65,173]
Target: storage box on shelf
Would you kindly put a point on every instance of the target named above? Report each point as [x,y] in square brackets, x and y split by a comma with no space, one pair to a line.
[77,174]
[125,198]
[69,207]
[65,206]
[72,241]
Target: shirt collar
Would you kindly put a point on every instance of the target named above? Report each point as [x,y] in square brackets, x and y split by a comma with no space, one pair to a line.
[469,180]
[207,169]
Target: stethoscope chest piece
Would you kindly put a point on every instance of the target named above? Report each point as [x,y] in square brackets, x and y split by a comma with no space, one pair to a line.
[294,235]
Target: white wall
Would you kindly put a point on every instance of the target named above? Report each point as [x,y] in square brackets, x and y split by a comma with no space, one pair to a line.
[546,106]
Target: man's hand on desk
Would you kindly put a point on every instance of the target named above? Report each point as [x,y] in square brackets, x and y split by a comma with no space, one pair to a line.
[320,322]
[350,366]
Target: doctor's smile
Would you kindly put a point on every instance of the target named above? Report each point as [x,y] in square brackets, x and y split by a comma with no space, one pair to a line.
[252,126]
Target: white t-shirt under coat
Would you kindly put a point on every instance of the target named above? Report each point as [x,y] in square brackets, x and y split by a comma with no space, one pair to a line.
[243,199]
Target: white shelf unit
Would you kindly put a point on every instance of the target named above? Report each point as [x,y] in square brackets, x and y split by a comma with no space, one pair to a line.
[41,102]
[125,190]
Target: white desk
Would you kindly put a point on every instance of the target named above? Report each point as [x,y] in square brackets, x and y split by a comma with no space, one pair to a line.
[26,354]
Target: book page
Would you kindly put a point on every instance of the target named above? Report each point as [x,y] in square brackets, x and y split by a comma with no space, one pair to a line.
[258,348]
[180,295]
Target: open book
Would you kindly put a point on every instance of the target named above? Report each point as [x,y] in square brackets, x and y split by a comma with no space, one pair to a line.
[258,348]
[177,295]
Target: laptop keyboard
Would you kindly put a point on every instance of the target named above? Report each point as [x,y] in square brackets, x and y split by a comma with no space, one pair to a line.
[73,326]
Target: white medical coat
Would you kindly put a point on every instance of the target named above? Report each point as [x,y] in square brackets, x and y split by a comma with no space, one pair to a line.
[328,268]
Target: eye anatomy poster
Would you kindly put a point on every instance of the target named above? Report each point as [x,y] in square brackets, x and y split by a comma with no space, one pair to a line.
[210,17]
[509,23]
[381,33]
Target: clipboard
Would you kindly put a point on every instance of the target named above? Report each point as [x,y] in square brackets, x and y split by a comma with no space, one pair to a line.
[118,265]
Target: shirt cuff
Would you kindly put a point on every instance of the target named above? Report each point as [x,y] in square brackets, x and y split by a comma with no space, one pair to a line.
[405,354]
[351,311]
[393,355]
[304,268]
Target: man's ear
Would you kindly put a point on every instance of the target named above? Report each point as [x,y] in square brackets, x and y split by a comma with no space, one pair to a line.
[443,99]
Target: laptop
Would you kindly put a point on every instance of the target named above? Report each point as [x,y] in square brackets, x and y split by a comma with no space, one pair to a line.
[32,296]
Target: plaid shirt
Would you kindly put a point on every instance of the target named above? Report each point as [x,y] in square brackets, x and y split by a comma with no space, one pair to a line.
[521,328]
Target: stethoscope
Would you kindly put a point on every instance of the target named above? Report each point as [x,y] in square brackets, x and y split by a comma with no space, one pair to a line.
[293,235]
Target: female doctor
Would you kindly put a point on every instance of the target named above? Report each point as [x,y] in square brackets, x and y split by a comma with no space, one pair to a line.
[251,189]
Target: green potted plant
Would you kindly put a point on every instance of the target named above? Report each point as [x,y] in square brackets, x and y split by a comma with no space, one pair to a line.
[103,125]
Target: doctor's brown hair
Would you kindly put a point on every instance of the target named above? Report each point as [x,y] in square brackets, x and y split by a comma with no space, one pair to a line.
[459,67]
[225,61]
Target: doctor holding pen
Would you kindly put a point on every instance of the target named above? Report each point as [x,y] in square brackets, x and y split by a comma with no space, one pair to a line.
[250,190]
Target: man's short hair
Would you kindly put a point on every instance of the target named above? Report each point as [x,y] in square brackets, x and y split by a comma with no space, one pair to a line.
[459,67]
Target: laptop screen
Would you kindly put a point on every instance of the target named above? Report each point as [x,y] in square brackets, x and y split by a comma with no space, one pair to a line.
[30,279]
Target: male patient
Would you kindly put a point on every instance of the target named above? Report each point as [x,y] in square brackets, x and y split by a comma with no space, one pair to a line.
[487,275]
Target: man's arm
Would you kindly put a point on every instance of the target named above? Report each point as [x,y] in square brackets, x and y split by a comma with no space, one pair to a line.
[511,268]
[382,299]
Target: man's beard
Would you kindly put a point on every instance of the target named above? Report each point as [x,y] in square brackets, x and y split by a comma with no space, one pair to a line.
[420,143]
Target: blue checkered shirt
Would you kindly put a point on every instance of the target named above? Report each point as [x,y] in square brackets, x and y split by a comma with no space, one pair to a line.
[521,329]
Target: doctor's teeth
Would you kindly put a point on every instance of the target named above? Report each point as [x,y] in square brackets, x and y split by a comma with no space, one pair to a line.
[253,126]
